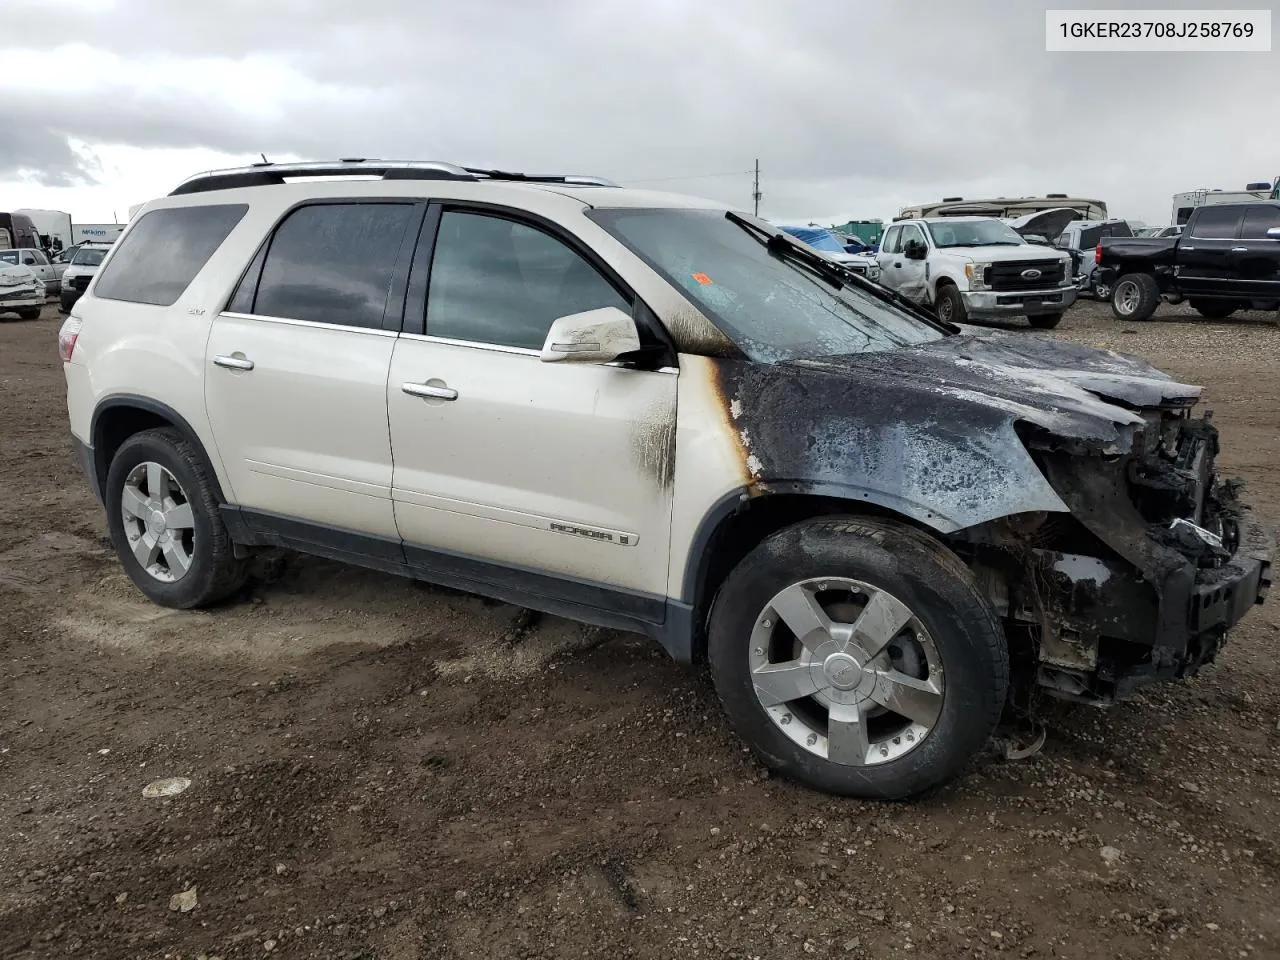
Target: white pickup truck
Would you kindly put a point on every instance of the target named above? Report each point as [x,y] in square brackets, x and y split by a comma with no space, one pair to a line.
[976,268]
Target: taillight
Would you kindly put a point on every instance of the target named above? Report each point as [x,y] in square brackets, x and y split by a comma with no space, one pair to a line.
[1097,253]
[67,338]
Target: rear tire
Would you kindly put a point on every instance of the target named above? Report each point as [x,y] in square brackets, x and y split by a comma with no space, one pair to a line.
[948,305]
[934,626]
[1213,309]
[1135,297]
[1045,321]
[166,527]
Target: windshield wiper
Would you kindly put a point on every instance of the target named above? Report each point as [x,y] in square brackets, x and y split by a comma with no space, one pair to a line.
[798,253]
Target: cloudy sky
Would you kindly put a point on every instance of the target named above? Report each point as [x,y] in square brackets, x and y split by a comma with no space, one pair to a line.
[853,107]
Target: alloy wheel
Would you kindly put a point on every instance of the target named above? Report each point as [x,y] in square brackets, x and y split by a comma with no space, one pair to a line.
[158,522]
[846,671]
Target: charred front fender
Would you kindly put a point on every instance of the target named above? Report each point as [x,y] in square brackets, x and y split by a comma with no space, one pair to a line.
[942,459]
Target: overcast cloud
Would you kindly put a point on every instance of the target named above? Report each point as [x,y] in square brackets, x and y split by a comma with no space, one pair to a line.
[854,108]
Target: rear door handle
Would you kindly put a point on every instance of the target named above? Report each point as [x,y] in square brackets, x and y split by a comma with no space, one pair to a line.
[431,390]
[234,363]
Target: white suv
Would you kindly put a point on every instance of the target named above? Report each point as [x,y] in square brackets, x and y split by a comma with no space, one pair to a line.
[655,414]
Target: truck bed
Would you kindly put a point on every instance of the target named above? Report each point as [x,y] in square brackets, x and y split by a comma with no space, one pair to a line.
[1147,251]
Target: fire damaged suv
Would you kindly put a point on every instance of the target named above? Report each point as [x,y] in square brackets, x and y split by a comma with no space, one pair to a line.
[655,414]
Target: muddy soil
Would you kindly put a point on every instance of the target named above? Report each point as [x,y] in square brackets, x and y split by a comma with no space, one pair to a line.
[383,770]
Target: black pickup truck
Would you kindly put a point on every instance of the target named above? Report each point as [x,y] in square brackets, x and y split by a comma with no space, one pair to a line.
[1226,259]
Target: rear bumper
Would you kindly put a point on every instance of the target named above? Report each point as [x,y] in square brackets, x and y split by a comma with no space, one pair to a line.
[1020,303]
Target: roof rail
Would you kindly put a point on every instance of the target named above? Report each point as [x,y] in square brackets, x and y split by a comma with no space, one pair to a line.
[269,174]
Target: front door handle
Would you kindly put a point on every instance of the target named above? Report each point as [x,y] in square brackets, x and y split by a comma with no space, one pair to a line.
[431,390]
[234,363]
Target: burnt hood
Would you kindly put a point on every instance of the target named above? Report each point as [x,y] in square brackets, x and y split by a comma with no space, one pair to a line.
[1071,391]
[937,432]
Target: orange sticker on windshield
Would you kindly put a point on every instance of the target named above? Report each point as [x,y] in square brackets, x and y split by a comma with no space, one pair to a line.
[702,278]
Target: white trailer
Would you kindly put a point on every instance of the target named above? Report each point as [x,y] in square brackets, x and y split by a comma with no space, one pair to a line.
[96,232]
[1185,202]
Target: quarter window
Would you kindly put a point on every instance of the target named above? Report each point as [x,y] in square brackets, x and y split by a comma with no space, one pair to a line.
[331,263]
[158,258]
[501,282]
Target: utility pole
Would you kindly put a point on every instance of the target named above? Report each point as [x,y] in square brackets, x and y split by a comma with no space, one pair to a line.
[755,190]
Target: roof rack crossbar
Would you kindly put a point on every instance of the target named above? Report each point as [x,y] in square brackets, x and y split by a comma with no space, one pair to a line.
[269,174]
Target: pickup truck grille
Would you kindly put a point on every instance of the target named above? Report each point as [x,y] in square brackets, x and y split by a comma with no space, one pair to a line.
[1009,275]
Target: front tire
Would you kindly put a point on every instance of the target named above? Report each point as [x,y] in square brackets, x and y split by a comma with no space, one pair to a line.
[1045,321]
[948,304]
[859,657]
[30,314]
[1135,297]
[162,515]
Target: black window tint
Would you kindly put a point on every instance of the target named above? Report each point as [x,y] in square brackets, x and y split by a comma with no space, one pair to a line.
[1089,237]
[333,263]
[1216,223]
[161,255]
[1258,220]
[501,282]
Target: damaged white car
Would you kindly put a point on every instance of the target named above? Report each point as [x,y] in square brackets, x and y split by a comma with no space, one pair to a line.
[21,291]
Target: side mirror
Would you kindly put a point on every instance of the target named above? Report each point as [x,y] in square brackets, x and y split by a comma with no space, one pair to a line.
[915,250]
[595,336]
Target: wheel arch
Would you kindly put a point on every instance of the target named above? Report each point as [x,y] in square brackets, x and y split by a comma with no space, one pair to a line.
[743,518]
[118,417]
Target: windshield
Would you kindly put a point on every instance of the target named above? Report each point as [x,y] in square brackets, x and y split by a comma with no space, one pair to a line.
[774,309]
[819,239]
[974,233]
[88,258]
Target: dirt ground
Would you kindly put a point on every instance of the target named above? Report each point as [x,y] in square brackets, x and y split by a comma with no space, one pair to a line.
[384,770]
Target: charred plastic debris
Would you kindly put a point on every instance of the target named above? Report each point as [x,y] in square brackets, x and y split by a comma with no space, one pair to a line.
[1076,483]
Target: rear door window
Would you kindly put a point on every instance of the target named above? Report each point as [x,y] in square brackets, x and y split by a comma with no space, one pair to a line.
[330,263]
[1258,220]
[157,260]
[1216,223]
